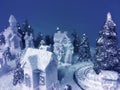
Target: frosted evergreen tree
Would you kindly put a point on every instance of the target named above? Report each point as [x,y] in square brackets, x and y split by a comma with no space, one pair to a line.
[22,36]
[76,42]
[2,39]
[85,54]
[27,27]
[18,76]
[7,55]
[19,28]
[47,40]
[107,47]
[76,45]
[38,39]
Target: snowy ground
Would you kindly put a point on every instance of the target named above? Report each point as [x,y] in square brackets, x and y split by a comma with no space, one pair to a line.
[67,72]
[6,80]
[69,75]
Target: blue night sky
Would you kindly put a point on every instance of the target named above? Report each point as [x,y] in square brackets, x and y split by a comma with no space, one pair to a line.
[84,16]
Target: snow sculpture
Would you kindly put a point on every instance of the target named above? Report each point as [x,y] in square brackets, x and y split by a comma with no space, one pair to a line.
[62,47]
[107,57]
[12,37]
[40,66]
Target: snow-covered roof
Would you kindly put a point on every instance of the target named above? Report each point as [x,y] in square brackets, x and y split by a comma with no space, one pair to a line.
[37,59]
[12,19]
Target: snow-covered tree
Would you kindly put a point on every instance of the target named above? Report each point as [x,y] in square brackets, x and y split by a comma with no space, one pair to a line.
[85,54]
[18,76]
[38,39]
[76,45]
[76,42]
[2,39]
[107,47]
[7,55]
[47,40]
[27,28]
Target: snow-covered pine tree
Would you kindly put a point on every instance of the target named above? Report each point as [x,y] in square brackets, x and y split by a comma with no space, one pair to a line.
[7,55]
[18,76]
[85,54]
[76,42]
[107,47]
[27,28]
[38,40]
[47,40]
[22,36]
[2,39]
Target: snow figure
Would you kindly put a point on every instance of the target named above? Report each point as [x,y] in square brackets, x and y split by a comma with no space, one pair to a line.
[18,75]
[107,57]
[12,37]
[84,49]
